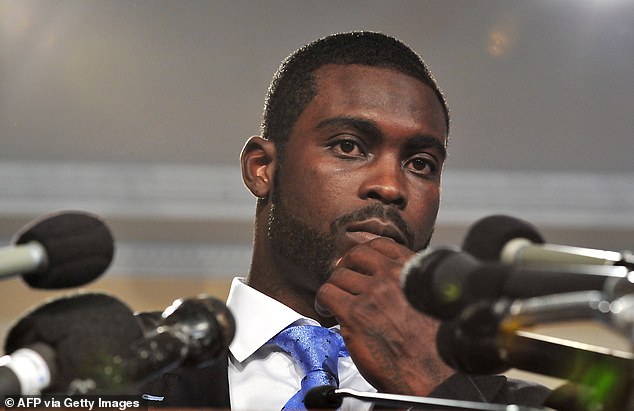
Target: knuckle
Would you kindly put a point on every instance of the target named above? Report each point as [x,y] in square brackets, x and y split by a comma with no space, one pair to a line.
[324,291]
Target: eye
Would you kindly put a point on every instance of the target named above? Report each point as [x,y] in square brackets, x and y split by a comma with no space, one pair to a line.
[347,148]
[422,166]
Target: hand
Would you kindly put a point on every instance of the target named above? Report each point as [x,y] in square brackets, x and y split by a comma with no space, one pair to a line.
[392,344]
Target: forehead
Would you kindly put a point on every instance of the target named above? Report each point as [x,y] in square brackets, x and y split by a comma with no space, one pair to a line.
[382,95]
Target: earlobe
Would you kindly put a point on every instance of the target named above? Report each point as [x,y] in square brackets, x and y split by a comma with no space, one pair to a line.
[258,165]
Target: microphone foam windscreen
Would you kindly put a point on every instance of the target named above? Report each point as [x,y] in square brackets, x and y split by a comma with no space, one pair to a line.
[85,330]
[472,354]
[487,237]
[79,248]
[322,397]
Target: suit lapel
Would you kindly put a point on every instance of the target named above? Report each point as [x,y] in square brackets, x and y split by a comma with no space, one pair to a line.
[192,387]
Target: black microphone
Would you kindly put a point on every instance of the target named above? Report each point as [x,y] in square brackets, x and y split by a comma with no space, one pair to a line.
[191,332]
[327,397]
[61,250]
[514,241]
[323,397]
[71,338]
[486,339]
[442,282]
[99,346]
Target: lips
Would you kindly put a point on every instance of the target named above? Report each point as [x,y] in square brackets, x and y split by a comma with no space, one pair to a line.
[373,228]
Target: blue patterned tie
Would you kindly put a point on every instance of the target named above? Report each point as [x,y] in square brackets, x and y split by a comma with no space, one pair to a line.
[317,350]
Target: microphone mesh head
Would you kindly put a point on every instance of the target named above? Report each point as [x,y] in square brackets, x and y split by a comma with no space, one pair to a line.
[211,315]
[470,348]
[85,330]
[79,247]
[322,397]
[487,237]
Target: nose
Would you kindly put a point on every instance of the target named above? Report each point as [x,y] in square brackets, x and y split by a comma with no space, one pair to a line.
[384,181]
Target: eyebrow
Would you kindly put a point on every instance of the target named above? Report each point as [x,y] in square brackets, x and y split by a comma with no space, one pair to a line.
[425,141]
[367,127]
[370,128]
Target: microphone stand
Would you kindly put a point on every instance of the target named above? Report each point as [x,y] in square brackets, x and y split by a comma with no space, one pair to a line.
[327,397]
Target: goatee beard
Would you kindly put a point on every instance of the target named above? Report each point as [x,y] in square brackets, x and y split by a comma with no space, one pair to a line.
[314,252]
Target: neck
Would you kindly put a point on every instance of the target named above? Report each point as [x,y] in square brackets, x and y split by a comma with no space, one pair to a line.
[283,281]
[278,277]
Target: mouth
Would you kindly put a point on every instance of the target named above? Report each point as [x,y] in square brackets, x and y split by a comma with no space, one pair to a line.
[367,230]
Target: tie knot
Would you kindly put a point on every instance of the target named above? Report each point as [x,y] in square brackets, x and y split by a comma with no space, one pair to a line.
[317,351]
[313,347]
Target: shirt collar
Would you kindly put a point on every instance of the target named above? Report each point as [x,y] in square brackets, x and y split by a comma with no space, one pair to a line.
[258,318]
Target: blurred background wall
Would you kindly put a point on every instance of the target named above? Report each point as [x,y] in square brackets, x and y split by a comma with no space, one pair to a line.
[137,111]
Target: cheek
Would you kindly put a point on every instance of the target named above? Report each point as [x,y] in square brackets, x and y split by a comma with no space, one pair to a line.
[422,211]
[314,195]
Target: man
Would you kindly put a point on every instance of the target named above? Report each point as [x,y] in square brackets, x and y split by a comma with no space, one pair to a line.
[347,174]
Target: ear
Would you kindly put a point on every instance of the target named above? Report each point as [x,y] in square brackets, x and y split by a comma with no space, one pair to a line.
[258,165]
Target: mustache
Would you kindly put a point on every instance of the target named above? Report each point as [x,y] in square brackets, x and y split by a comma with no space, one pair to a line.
[375,210]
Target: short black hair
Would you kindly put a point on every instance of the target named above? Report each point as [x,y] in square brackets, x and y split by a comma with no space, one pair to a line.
[293,85]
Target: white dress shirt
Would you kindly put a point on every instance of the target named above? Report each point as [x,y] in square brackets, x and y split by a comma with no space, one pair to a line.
[261,375]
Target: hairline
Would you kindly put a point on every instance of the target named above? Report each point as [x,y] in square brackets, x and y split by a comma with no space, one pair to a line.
[313,88]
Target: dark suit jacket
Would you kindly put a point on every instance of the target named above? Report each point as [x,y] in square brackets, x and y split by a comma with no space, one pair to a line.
[193,387]
[209,387]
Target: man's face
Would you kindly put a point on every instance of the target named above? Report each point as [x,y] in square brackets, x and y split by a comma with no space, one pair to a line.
[363,160]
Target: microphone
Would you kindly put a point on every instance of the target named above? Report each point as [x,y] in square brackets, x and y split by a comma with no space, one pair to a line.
[66,343]
[98,345]
[27,370]
[515,241]
[327,397]
[486,339]
[323,397]
[61,250]
[442,282]
[191,332]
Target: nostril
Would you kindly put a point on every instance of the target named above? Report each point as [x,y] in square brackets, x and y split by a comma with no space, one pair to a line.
[388,197]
